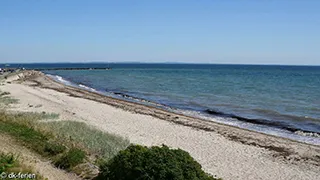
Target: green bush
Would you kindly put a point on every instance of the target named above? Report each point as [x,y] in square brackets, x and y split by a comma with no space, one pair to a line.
[155,163]
[70,159]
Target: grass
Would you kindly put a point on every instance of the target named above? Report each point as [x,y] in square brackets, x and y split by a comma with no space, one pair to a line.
[23,127]
[29,119]
[103,144]
[31,138]
[38,116]
[6,161]
[5,99]
[64,142]
[26,126]
[9,163]
[31,116]
[70,159]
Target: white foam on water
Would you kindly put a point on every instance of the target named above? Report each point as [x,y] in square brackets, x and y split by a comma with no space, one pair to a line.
[59,79]
[66,82]
[87,88]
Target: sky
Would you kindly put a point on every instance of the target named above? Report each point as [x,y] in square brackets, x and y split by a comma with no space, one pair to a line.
[189,31]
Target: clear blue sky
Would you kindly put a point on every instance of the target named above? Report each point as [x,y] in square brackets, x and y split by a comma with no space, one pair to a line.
[206,31]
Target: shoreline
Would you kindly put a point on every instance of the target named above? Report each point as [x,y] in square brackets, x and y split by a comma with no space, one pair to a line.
[276,128]
[171,111]
[43,81]
[222,149]
[46,82]
[293,128]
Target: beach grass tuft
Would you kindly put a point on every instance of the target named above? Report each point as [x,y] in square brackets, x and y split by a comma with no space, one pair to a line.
[102,144]
[5,99]
[28,131]
[30,137]
[70,159]
[45,116]
[66,143]
[6,161]
[30,119]
[10,163]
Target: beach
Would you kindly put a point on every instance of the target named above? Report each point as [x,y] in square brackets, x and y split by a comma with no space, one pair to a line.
[222,150]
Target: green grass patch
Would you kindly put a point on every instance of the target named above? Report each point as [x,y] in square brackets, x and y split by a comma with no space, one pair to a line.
[103,144]
[29,131]
[31,138]
[70,159]
[26,128]
[30,118]
[9,163]
[23,126]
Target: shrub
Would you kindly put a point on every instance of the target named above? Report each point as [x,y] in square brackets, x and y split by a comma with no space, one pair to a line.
[70,159]
[143,163]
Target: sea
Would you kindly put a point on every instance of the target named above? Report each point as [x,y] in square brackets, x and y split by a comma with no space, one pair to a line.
[279,100]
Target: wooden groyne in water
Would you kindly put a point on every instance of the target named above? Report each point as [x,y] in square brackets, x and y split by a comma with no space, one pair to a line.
[85,68]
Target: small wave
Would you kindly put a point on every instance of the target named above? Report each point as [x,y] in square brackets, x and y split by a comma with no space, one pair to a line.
[59,79]
[86,87]
[310,134]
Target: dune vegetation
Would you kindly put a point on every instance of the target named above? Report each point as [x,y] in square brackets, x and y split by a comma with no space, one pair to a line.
[88,152]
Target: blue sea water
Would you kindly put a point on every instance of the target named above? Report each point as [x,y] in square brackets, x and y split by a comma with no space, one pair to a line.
[280,100]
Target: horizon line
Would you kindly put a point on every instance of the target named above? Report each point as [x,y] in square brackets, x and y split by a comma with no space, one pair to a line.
[137,62]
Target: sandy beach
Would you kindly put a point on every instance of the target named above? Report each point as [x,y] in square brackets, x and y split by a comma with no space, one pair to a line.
[225,151]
